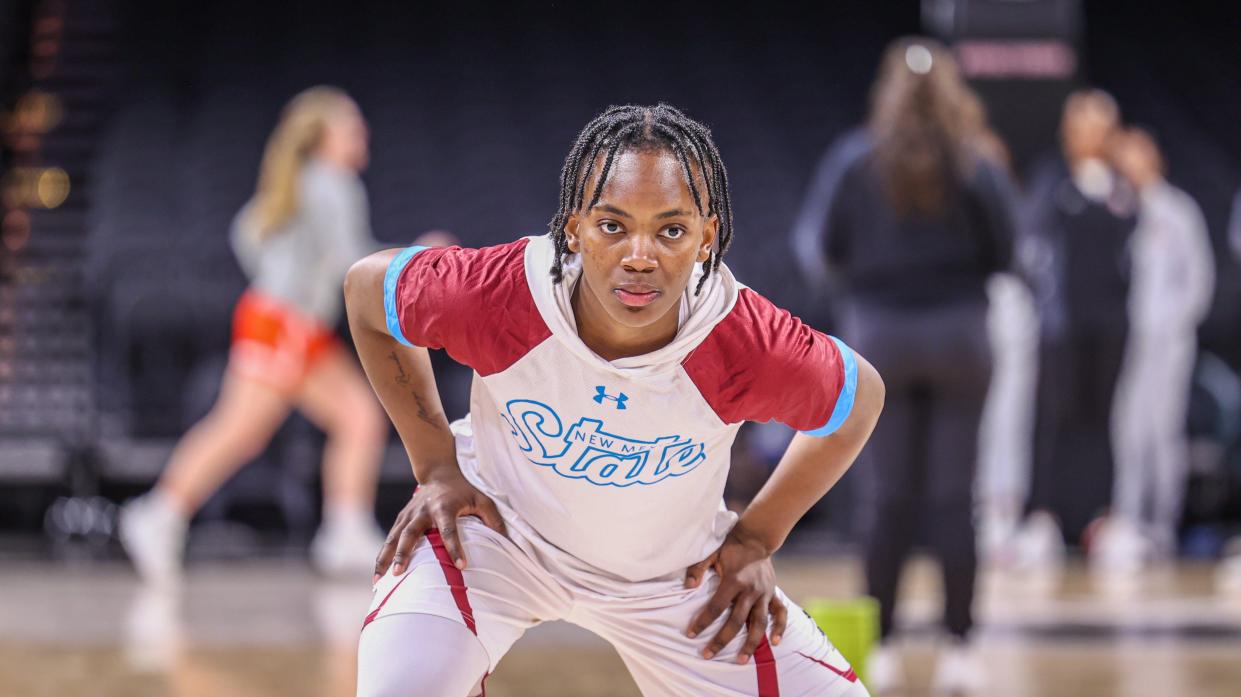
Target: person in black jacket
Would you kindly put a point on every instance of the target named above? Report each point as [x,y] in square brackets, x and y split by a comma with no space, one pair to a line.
[912,216]
[1077,222]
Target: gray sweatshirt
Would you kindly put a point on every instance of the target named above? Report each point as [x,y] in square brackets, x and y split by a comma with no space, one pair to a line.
[303,264]
[1173,263]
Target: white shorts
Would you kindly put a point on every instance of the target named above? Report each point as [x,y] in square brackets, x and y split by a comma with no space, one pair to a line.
[508,587]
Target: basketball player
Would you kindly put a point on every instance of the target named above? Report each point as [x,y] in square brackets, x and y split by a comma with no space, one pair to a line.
[615,358]
[307,222]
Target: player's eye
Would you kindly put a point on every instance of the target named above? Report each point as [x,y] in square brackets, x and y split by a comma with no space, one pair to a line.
[610,227]
[673,233]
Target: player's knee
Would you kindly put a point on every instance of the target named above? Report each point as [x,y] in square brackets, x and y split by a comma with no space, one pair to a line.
[415,655]
[250,442]
[239,431]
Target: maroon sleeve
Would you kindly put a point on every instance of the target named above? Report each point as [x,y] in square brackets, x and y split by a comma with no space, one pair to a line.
[474,303]
[761,363]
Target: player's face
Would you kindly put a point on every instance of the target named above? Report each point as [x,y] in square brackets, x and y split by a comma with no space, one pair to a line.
[346,138]
[1087,129]
[641,242]
[1137,159]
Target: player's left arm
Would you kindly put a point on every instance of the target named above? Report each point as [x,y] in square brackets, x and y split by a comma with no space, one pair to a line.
[810,467]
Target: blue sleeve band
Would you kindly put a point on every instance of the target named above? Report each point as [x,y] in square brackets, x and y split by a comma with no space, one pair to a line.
[844,401]
[390,279]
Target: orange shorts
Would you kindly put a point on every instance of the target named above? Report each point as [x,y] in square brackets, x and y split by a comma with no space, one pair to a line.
[275,344]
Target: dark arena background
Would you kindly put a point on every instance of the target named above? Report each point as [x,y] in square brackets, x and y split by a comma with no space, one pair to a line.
[131,134]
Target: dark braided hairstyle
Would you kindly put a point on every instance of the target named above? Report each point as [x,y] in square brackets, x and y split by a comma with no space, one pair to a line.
[642,128]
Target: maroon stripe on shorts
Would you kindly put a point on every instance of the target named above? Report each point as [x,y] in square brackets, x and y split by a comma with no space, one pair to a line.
[765,664]
[375,613]
[456,581]
[849,675]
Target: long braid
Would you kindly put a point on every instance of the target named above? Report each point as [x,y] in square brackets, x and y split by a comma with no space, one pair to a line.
[717,181]
[620,128]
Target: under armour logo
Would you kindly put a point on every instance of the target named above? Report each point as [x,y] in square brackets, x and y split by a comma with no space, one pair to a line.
[602,394]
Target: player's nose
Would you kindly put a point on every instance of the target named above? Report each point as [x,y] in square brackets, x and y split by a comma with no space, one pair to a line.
[640,254]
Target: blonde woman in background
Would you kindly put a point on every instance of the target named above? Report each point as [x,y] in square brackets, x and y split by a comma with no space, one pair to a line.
[295,239]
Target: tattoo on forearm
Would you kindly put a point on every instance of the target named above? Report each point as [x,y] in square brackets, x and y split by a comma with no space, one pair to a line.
[402,378]
[422,411]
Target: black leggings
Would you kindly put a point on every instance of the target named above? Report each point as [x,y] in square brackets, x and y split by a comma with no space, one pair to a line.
[919,465]
[1072,471]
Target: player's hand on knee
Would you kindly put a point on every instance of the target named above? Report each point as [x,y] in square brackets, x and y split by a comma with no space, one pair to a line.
[779,620]
[746,592]
[436,504]
[410,525]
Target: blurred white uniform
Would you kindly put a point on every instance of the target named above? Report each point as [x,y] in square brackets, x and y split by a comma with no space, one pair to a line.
[1173,281]
[1006,435]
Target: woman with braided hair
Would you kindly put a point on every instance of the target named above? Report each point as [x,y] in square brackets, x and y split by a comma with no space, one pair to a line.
[615,358]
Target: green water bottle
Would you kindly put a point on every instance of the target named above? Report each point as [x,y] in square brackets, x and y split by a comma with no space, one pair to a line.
[852,625]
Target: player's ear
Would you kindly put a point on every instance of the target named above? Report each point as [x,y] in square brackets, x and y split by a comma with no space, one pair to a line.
[570,233]
[709,231]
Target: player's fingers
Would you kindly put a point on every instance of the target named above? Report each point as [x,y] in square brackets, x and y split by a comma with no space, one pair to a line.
[742,605]
[486,509]
[779,619]
[695,573]
[720,601]
[388,550]
[384,560]
[413,531]
[755,630]
[447,524]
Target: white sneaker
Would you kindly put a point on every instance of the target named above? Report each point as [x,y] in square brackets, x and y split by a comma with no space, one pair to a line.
[153,534]
[1039,546]
[995,539]
[1228,572]
[1120,551]
[958,671]
[346,547]
[884,672]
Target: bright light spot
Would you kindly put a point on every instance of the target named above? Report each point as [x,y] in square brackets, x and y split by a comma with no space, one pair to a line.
[36,112]
[53,187]
[918,58]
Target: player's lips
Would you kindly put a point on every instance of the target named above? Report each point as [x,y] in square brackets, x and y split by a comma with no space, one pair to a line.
[636,294]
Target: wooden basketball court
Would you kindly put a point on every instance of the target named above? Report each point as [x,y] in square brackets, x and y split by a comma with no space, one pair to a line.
[274,630]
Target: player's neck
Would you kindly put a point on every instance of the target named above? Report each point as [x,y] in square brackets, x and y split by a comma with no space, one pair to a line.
[612,340]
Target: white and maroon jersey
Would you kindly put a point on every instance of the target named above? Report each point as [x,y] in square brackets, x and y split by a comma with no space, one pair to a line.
[622,463]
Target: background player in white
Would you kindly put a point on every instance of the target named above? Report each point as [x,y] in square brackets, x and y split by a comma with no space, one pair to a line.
[1173,282]
[605,400]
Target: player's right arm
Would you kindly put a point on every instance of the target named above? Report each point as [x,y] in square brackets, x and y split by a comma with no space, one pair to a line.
[402,378]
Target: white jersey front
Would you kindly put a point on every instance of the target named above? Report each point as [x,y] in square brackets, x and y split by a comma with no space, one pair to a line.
[620,464]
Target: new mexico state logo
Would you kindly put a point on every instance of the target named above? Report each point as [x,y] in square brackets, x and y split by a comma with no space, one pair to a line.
[586,451]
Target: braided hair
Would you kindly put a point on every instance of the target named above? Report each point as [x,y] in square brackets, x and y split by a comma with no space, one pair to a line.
[643,128]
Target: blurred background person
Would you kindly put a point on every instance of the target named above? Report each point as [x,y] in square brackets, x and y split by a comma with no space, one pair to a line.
[915,225]
[1006,436]
[1170,294]
[1077,223]
[307,222]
